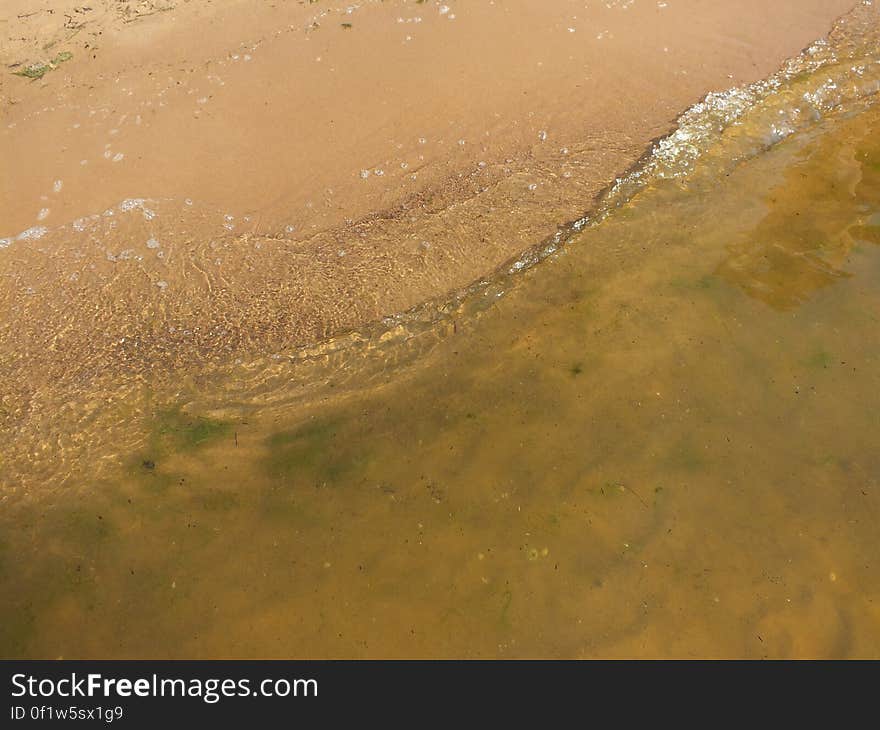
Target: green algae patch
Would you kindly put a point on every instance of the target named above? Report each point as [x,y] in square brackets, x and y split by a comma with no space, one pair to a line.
[173,432]
[179,431]
[39,69]
[315,450]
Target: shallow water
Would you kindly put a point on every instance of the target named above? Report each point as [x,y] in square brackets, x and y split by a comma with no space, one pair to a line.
[660,441]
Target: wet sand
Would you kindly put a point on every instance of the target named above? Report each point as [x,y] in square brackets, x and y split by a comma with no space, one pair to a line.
[428,142]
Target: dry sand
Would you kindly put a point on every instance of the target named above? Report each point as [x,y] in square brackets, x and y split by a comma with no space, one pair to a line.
[402,149]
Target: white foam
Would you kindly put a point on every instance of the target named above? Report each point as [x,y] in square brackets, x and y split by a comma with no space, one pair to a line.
[32,233]
[131,203]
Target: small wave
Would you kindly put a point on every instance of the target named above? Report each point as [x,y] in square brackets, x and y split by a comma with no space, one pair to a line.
[715,135]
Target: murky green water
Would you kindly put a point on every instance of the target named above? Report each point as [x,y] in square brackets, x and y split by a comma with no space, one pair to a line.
[661,441]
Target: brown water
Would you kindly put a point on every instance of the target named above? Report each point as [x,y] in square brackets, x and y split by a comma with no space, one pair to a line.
[659,441]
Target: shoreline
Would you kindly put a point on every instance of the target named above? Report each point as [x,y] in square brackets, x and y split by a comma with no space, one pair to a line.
[537,163]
